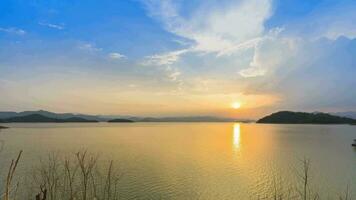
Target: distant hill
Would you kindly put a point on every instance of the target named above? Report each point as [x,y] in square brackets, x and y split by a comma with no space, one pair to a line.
[105,118]
[288,117]
[121,121]
[78,119]
[37,118]
[350,114]
[5,115]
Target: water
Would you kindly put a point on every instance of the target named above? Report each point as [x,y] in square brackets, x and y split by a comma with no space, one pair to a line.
[198,160]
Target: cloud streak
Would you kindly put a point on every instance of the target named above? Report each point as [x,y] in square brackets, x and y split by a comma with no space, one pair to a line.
[116,56]
[165,58]
[13,30]
[89,47]
[53,26]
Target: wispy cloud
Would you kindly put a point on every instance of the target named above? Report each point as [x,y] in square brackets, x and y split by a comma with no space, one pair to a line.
[53,26]
[173,73]
[222,31]
[116,56]
[13,30]
[165,61]
[89,47]
[214,29]
[269,52]
[164,58]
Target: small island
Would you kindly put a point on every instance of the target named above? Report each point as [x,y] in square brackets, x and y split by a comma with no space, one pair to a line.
[289,117]
[121,121]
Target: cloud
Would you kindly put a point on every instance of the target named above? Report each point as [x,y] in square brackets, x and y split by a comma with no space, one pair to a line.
[269,53]
[89,47]
[116,56]
[13,30]
[316,75]
[165,58]
[221,30]
[252,71]
[53,26]
[164,63]
[173,74]
[214,29]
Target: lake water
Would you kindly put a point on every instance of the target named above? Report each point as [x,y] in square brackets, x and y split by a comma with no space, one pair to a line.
[198,160]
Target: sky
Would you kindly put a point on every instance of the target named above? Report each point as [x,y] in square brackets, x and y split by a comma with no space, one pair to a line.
[178,57]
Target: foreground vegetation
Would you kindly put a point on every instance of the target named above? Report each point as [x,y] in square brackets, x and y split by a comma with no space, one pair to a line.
[82,177]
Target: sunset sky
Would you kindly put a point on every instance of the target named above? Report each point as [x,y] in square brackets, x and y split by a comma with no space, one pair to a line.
[178,57]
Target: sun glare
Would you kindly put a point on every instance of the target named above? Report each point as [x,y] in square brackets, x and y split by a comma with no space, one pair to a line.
[236,105]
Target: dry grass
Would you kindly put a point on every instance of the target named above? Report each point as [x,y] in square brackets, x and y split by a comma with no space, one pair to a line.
[10,176]
[80,177]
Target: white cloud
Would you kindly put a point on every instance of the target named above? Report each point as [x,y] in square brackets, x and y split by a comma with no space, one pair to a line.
[165,58]
[116,56]
[164,63]
[252,71]
[54,26]
[214,30]
[174,75]
[308,73]
[89,47]
[269,52]
[13,30]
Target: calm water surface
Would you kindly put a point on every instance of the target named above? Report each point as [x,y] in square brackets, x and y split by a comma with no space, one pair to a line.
[191,160]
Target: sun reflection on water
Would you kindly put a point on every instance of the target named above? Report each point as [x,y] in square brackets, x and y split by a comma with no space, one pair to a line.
[236,137]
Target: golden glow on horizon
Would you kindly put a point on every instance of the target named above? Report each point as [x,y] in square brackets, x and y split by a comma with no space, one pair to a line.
[107,101]
[236,105]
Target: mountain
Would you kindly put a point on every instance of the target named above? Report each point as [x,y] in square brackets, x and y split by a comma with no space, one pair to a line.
[104,118]
[350,114]
[31,118]
[37,118]
[120,121]
[4,115]
[78,119]
[288,117]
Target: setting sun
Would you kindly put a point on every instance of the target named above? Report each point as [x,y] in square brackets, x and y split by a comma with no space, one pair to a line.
[236,105]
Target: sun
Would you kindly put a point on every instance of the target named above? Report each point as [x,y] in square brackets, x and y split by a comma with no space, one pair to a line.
[236,105]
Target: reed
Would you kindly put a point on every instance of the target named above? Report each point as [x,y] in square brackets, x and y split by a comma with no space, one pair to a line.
[79,177]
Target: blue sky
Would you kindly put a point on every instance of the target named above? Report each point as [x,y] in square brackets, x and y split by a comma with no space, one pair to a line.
[184,57]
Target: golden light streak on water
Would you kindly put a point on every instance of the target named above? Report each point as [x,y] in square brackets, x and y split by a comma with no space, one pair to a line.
[236,137]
